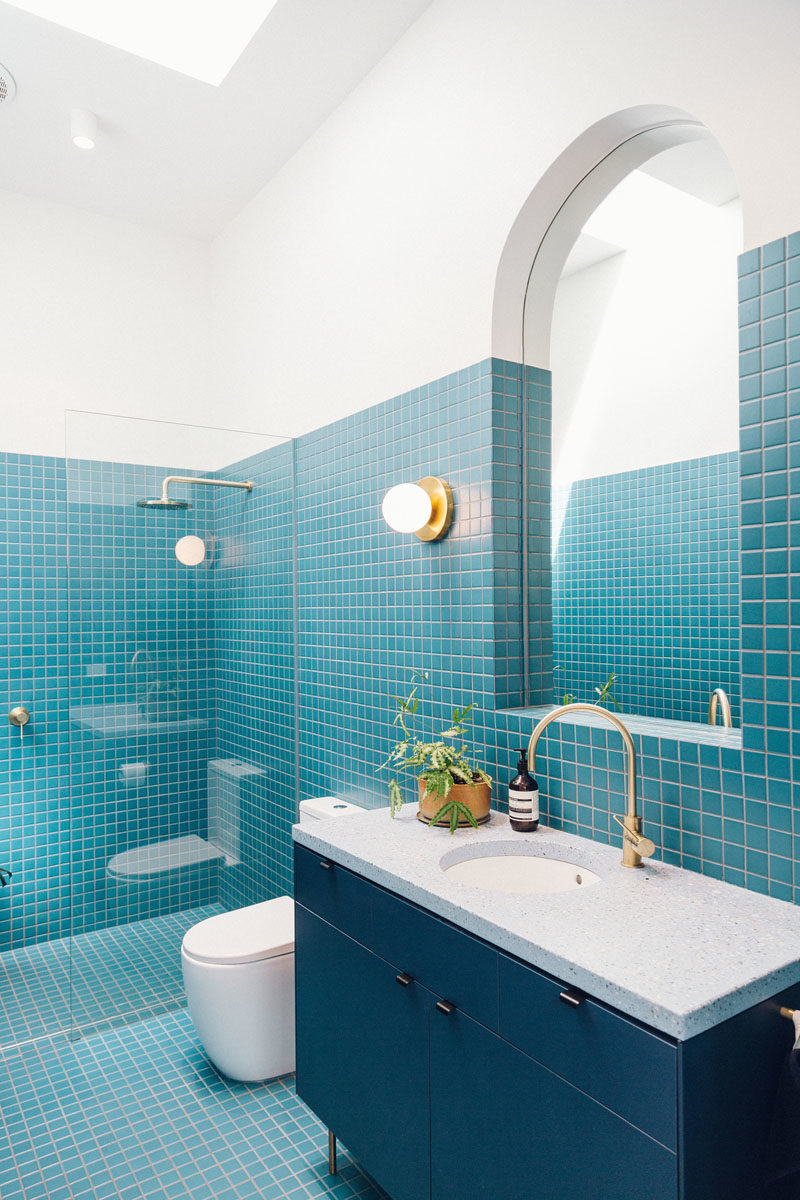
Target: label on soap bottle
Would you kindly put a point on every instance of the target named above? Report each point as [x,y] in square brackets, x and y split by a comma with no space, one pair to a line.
[523,806]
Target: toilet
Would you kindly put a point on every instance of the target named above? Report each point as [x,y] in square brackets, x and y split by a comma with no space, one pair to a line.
[238,972]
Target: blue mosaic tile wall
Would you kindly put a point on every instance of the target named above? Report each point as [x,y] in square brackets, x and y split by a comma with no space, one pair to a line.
[536,437]
[520,446]
[371,606]
[375,604]
[646,584]
[254,675]
[34,629]
[140,642]
[132,662]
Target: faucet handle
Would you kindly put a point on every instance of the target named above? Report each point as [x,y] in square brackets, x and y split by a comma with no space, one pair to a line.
[641,844]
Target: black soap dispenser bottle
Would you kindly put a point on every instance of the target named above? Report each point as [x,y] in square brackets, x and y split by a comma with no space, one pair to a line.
[523,798]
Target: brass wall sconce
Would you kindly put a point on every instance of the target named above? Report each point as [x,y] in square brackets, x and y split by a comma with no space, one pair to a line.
[424,509]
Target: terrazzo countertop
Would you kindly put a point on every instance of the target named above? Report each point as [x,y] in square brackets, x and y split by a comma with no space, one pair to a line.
[672,948]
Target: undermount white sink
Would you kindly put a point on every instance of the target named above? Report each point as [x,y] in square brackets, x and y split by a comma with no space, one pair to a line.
[516,870]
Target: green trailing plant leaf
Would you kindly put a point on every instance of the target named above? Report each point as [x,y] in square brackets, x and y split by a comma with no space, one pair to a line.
[466,812]
[395,797]
[605,695]
[442,812]
[451,811]
[438,783]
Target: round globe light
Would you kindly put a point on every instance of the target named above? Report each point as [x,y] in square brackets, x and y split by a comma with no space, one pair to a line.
[190,550]
[406,507]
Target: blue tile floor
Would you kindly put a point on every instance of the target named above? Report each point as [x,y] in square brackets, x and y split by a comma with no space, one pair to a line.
[95,979]
[137,1112]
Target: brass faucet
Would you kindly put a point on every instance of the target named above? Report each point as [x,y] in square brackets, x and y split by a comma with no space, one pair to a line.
[719,695]
[635,846]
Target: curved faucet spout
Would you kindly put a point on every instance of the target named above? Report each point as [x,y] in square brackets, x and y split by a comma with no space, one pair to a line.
[720,696]
[634,845]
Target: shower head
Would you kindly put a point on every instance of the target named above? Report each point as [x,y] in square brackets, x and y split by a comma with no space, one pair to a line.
[160,502]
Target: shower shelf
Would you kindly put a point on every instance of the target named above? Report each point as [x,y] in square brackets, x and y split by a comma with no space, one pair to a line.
[125,720]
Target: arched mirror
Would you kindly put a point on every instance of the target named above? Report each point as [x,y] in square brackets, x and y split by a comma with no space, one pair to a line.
[643,443]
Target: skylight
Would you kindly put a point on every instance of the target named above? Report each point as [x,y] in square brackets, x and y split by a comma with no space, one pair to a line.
[200,38]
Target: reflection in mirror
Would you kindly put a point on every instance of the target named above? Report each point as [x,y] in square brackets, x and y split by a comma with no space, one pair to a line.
[644,468]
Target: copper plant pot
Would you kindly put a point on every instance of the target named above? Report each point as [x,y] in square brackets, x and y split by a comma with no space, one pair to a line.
[477,797]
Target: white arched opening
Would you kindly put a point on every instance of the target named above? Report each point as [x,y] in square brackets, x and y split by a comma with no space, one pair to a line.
[552,217]
[599,382]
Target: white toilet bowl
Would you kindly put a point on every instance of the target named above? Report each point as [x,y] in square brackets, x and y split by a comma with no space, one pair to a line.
[238,972]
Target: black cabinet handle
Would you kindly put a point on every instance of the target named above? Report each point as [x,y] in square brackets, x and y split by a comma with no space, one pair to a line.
[444,1006]
[572,997]
[403,979]
[326,866]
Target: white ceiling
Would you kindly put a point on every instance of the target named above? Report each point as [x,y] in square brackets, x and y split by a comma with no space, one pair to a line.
[588,251]
[174,152]
[698,168]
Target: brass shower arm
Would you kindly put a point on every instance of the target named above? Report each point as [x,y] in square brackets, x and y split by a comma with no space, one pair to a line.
[247,485]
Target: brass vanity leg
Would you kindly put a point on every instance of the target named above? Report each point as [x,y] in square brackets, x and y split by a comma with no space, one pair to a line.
[332,1168]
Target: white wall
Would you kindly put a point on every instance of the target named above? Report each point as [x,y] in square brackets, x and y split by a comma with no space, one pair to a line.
[644,345]
[367,265]
[97,314]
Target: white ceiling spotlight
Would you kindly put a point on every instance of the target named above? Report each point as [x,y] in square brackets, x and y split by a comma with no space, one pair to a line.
[83,128]
[8,89]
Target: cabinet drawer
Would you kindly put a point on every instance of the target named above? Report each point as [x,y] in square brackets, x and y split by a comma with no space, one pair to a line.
[453,964]
[631,1071]
[503,1127]
[334,893]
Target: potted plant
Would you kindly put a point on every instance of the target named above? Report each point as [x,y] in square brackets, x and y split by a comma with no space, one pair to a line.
[451,791]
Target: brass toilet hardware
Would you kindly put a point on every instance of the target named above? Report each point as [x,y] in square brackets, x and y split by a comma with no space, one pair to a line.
[19,716]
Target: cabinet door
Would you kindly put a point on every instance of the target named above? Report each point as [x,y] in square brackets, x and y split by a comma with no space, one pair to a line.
[362,1055]
[503,1126]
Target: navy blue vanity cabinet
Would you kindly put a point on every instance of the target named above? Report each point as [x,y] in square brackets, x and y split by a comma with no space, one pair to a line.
[362,1054]
[452,1071]
[503,1126]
